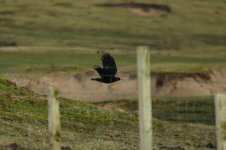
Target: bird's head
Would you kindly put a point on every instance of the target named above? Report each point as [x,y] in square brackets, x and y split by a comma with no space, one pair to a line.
[117,79]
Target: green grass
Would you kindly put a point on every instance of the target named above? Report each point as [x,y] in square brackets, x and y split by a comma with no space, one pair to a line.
[55,36]
[23,116]
[190,25]
[63,34]
[52,60]
[189,109]
[186,109]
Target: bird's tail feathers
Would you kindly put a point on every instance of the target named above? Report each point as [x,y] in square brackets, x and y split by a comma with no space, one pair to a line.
[96,67]
[96,79]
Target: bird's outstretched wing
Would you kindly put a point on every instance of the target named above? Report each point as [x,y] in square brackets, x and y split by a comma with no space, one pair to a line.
[109,64]
[102,72]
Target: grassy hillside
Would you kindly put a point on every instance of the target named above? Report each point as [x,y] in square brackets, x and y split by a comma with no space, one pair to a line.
[23,116]
[42,36]
[190,38]
[190,25]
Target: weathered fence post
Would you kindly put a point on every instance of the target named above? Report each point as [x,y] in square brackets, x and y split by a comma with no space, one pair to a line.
[53,120]
[145,109]
[220,111]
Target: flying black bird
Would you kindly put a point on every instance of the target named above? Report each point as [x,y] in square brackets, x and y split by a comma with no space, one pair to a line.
[109,70]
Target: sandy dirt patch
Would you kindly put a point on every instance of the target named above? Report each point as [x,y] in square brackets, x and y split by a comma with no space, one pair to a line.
[77,85]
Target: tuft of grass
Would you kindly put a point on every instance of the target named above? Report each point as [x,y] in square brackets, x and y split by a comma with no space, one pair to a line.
[224,130]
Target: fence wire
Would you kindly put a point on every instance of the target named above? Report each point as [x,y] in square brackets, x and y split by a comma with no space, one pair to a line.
[180,122]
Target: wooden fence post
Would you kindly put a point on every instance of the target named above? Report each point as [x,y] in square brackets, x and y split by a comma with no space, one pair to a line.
[220,112]
[53,120]
[145,108]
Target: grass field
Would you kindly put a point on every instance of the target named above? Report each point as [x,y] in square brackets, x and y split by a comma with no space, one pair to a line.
[189,38]
[50,36]
[39,61]
[23,116]
[190,25]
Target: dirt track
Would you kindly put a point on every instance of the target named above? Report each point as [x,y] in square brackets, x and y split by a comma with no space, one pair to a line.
[79,86]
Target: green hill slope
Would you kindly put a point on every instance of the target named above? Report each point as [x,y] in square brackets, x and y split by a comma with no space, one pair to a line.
[23,116]
[88,24]
[189,38]
[23,122]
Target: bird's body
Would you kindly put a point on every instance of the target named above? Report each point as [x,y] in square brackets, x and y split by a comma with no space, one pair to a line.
[108,71]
